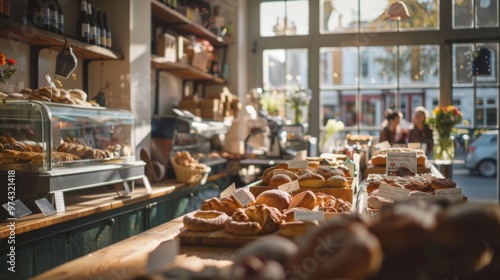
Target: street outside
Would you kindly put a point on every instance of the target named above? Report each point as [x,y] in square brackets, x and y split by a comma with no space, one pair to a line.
[474,186]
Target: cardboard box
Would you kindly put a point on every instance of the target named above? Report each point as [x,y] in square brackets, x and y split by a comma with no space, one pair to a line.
[196,112]
[214,95]
[188,104]
[211,115]
[209,105]
[202,60]
[166,46]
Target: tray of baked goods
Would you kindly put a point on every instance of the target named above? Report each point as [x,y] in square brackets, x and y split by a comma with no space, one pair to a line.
[241,217]
[385,190]
[377,163]
[29,155]
[324,176]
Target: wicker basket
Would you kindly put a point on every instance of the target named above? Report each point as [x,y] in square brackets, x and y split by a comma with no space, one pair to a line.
[189,175]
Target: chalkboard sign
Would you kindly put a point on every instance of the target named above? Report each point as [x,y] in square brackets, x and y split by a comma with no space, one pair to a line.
[45,207]
[17,209]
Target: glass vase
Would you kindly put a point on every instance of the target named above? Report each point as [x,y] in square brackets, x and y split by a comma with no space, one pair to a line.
[444,149]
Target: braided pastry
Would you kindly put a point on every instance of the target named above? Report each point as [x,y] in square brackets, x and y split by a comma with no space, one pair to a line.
[257,219]
[226,205]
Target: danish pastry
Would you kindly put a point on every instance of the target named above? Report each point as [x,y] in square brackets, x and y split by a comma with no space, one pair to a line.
[202,220]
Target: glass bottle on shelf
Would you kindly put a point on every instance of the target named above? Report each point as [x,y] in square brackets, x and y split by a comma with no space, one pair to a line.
[108,31]
[349,163]
[93,27]
[83,24]
[102,29]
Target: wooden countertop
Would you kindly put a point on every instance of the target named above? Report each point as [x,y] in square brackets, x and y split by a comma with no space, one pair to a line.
[95,200]
[128,258]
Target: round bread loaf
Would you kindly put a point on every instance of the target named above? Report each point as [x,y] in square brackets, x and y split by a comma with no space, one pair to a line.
[339,248]
[336,181]
[274,198]
[328,171]
[279,179]
[312,180]
[268,173]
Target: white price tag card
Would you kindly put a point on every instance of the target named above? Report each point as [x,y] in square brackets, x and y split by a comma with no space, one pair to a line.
[384,145]
[45,206]
[301,155]
[228,191]
[163,254]
[401,164]
[289,187]
[393,193]
[414,146]
[422,195]
[60,206]
[297,164]
[243,197]
[309,215]
[454,194]
[56,136]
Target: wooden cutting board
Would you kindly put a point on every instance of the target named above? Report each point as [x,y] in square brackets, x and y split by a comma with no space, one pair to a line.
[216,238]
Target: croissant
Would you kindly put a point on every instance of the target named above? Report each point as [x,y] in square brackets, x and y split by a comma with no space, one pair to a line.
[257,219]
[226,205]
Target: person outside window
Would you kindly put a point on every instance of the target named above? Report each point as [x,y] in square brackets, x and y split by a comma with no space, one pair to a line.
[392,132]
[421,132]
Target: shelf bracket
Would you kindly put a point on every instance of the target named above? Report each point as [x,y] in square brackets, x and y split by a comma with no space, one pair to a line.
[34,65]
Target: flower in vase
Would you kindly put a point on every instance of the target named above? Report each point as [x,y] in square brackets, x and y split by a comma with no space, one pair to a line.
[444,119]
[332,126]
[6,73]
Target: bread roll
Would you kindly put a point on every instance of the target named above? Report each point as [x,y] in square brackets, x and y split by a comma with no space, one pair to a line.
[336,181]
[268,173]
[379,159]
[305,199]
[274,198]
[328,171]
[205,220]
[337,249]
[312,180]
[279,179]
[288,173]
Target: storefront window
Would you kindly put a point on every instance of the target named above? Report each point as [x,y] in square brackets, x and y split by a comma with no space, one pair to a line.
[338,67]
[338,16]
[284,18]
[475,13]
[285,68]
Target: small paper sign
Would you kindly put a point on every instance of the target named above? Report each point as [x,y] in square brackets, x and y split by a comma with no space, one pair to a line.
[45,206]
[243,197]
[228,191]
[401,164]
[60,206]
[414,146]
[56,136]
[422,195]
[17,209]
[454,194]
[162,255]
[393,193]
[289,187]
[297,164]
[309,215]
[301,155]
[384,145]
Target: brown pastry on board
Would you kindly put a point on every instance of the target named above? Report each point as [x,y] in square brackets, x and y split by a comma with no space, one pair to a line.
[274,198]
[279,179]
[202,220]
[305,199]
[336,181]
[257,219]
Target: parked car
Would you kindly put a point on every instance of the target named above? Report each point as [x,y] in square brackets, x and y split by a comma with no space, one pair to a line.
[482,154]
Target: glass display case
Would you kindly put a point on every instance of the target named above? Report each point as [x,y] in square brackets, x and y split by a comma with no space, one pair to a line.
[57,147]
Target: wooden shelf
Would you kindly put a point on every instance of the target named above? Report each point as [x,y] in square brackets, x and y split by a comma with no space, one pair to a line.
[183,71]
[162,14]
[30,35]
